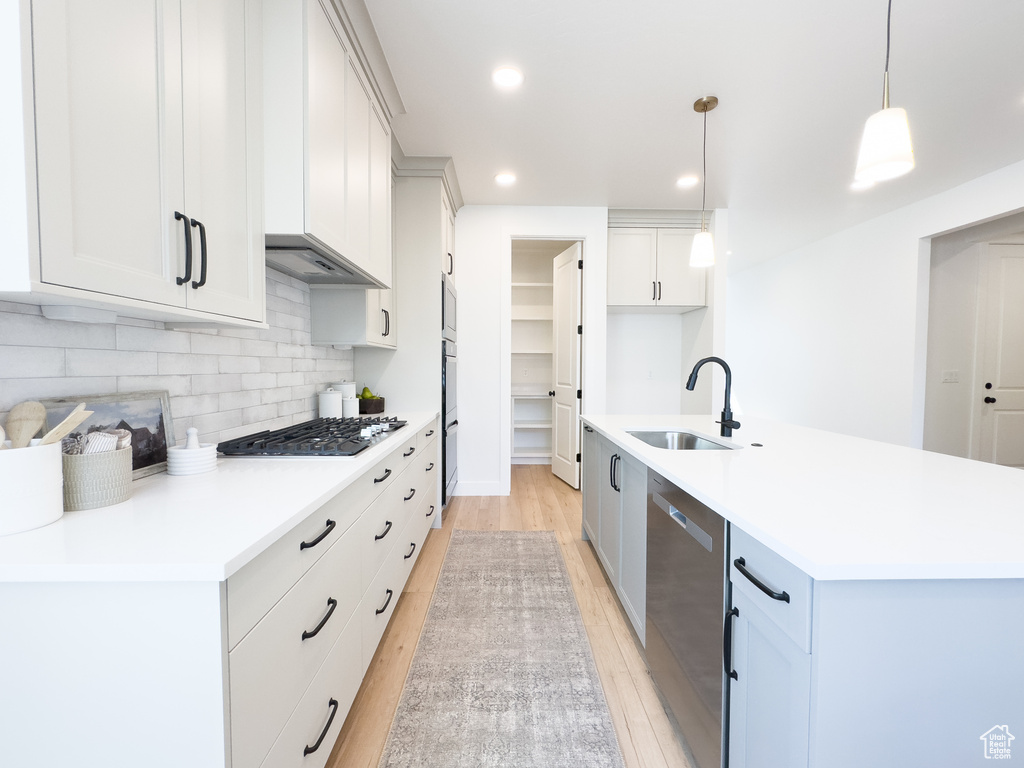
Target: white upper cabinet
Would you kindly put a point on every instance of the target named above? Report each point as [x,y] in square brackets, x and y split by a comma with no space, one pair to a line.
[328,141]
[147,158]
[650,267]
[448,246]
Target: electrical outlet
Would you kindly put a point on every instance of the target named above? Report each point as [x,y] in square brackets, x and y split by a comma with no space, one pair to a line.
[951,377]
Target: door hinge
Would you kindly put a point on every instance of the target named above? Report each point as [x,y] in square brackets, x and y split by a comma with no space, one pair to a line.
[579,394]
[579,264]
[579,329]
[579,458]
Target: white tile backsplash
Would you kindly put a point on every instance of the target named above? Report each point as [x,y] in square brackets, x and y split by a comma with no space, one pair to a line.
[226,383]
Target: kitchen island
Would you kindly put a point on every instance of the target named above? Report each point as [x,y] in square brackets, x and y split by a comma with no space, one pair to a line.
[898,641]
[222,619]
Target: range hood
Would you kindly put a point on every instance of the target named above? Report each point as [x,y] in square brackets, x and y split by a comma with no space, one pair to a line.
[309,259]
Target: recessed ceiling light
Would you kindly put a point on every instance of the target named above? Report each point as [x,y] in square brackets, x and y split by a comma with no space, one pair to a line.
[507,77]
[860,186]
[505,179]
[685,182]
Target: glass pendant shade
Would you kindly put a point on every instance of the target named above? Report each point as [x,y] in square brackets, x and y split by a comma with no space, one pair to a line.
[885,149]
[702,252]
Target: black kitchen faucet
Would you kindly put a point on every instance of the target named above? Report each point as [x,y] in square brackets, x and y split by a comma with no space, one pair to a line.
[727,422]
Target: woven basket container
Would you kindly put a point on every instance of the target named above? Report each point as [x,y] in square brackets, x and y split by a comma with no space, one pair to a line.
[94,480]
[371,405]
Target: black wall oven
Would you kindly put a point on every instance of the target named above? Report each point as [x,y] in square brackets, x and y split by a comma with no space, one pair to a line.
[449,388]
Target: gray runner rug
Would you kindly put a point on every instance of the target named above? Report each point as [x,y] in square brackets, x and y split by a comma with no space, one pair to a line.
[503,674]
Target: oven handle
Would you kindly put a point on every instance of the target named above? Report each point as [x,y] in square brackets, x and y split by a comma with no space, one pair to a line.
[452,428]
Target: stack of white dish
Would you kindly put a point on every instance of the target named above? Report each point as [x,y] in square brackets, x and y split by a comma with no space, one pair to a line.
[193,458]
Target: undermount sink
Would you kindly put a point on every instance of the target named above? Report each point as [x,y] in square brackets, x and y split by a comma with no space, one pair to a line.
[676,440]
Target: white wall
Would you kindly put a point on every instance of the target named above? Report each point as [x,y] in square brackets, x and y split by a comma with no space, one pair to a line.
[483,238]
[834,335]
[226,383]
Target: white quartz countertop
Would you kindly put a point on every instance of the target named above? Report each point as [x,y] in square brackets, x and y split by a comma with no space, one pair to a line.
[841,507]
[190,528]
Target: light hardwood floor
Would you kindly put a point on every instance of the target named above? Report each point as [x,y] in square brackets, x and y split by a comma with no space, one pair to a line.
[539,501]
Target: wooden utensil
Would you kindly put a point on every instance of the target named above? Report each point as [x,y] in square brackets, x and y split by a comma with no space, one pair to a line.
[64,429]
[24,422]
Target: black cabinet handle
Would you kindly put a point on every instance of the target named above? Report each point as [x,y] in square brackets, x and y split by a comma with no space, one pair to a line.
[202,254]
[308,750]
[411,550]
[430,467]
[387,323]
[431,510]
[588,429]
[409,453]
[551,393]
[429,433]
[740,564]
[318,539]
[386,603]
[614,462]
[387,530]
[188,248]
[654,290]
[331,605]
[451,264]
[412,492]
[990,399]
[659,290]
[727,644]
[382,478]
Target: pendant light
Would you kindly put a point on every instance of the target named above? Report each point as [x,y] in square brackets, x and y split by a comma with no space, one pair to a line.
[702,252]
[885,149]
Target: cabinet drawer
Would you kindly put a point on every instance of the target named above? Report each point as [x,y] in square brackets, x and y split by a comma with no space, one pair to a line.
[274,663]
[378,530]
[254,589]
[416,531]
[428,433]
[379,603]
[337,681]
[793,613]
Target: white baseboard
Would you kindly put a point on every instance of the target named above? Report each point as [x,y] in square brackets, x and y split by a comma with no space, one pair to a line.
[465,488]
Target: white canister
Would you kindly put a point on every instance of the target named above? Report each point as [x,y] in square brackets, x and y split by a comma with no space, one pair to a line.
[350,407]
[347,388]
[33,483]
[331,404]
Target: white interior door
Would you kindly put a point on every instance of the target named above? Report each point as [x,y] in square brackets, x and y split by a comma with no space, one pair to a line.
[565,427]
[999,381]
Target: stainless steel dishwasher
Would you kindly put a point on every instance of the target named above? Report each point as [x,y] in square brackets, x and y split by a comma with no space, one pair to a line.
[687,555]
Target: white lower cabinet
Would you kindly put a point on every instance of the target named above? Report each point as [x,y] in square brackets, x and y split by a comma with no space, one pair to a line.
[615,519]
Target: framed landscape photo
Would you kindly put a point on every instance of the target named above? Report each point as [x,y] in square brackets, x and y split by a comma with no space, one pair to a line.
[147,415]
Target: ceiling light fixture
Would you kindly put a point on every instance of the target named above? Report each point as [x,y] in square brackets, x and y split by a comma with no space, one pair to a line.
[505,179]
[702,252]
[885,149]
[507,77]
[685,182]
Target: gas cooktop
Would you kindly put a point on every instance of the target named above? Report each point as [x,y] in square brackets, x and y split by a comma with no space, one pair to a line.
[318,437]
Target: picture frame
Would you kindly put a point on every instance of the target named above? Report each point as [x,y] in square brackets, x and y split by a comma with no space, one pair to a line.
[147,415]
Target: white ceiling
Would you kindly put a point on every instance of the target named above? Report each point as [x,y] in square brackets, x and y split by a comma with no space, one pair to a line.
[605,116]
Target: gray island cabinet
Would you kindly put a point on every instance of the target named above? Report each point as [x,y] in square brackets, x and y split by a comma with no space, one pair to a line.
[898,641]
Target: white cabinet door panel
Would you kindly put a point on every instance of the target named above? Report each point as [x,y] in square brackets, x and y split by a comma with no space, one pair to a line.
[109,146]
[357,170]
[632,267]
[679,284]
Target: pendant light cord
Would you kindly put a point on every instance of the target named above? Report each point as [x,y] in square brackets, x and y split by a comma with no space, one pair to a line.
[888,37]
[704,151]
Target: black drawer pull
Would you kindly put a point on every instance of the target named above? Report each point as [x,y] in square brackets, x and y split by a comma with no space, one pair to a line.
[727,644]
[386,603]
[308,750]
[410,452]
[387,530]
[202,254]
[188,248]
[431,510]
[331,605]
[412,492]
[430,467]
[740,564]
[318,539]
[411,550]
[382,478]
[429,433]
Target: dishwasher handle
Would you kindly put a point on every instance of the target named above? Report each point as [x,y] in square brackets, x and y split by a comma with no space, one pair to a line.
[701,536]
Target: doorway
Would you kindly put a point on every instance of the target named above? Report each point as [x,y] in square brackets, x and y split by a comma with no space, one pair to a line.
[975,356]
[546,354]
